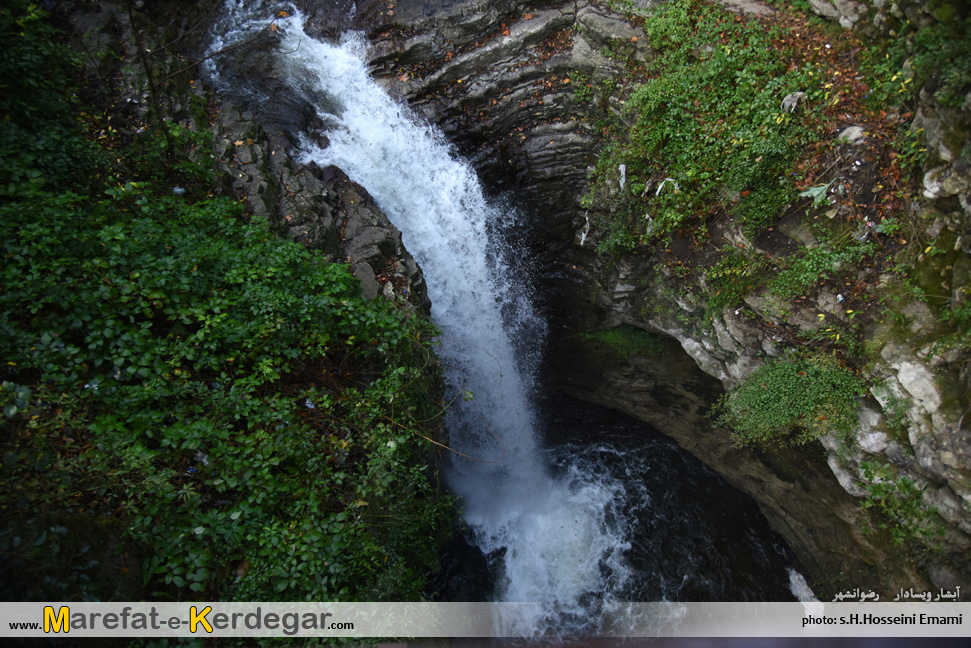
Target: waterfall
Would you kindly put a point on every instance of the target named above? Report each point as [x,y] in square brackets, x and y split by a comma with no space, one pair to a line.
[560,545]
[580,527]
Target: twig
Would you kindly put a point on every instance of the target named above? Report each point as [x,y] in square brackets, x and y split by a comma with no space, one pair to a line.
[218,53]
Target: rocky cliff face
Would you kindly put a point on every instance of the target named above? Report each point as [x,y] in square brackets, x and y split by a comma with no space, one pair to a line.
[321,208]
[520,87]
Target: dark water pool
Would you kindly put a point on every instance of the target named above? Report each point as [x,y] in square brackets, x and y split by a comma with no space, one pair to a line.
[692,537]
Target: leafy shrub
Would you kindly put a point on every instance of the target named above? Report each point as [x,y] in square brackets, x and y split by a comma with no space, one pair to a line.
[790,401]
[938,52]
[34,65]
[898,507]
[38,147]
[195,350]
[731,278]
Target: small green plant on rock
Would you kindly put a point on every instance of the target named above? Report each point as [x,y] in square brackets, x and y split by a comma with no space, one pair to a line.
[912,150]
[790,401]
[629,340]
[895,408]
[897,507]
[958,315]
[816,263]
[900,67]
[582,88]
[733,277]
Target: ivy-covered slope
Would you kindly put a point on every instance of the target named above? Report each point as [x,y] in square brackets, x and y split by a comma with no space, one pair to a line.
[192,406]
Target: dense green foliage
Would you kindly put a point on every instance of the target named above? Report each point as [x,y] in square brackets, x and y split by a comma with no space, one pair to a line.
[710,130]
[259,429]
[897,507]
[37,146]
[792,401]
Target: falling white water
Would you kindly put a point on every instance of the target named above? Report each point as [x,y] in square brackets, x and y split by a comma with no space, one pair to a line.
[561,545]
[800,588]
